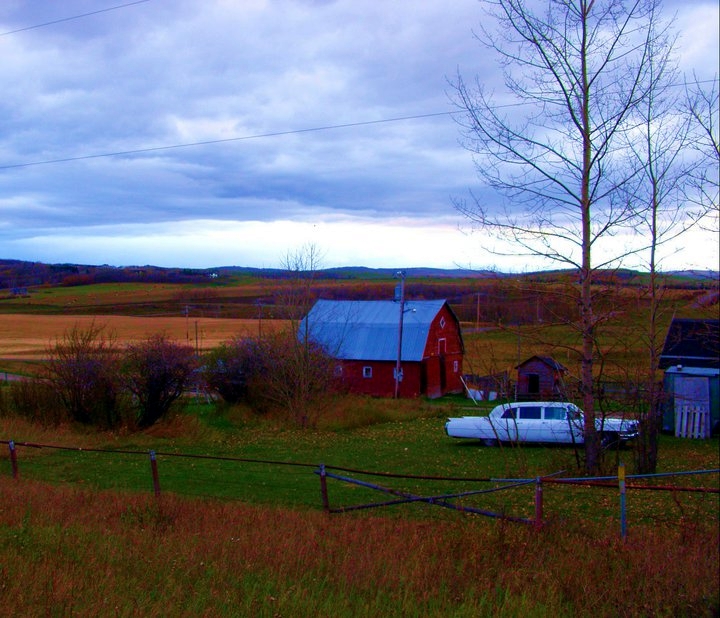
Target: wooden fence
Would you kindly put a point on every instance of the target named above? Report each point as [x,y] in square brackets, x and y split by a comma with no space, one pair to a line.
[448,499]
[692,422]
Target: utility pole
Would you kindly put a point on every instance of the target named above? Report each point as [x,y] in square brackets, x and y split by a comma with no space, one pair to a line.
[398,369]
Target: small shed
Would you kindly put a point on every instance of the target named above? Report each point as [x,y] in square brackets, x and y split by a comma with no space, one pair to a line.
[691,360]
[364,336]
[540,377]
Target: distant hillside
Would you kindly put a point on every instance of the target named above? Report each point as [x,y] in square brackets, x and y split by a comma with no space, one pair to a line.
[361,272]
[18,274]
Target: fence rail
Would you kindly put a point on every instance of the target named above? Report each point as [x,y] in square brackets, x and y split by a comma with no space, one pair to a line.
[161,470]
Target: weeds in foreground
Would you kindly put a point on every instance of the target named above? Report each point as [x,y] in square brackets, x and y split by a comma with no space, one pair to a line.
[70,551]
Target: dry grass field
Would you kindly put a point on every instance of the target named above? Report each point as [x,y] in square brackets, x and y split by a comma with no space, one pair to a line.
[27,338]
[76,552]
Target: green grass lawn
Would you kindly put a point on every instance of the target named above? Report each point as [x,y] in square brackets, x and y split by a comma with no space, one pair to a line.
[219,453]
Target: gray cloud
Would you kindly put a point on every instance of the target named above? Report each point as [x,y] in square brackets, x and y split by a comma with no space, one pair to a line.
[170,73]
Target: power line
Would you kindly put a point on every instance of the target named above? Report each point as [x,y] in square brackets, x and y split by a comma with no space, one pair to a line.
[64,19]
[224,140]
[361,123]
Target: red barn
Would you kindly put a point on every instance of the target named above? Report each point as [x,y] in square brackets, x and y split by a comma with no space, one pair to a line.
[364,337]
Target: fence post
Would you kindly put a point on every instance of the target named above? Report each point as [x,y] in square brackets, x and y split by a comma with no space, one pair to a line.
[323,489]
[156,478]
[621,485]
[538,502]
[13,458]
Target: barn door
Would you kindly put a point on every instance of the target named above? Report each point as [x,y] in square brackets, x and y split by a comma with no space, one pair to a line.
[442,348]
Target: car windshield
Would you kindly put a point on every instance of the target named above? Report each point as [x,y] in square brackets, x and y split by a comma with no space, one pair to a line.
[508,413]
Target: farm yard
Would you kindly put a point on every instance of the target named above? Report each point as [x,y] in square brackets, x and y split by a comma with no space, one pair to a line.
[236,524]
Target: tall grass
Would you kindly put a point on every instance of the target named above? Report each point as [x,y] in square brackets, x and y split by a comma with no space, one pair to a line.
[77,552]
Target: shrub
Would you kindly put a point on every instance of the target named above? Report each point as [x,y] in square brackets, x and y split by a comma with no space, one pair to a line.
[297,376]
[83,370]
[229,368]
[34,400]
[156,372]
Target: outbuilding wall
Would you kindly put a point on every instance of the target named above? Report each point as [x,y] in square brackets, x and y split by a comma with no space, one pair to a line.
[549,380]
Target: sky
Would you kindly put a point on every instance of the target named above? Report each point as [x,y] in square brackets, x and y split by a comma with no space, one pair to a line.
[194,134]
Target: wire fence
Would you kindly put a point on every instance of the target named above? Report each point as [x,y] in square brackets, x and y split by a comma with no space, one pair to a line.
[533,501]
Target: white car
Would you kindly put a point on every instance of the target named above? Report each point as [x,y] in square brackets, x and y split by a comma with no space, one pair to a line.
[538,421]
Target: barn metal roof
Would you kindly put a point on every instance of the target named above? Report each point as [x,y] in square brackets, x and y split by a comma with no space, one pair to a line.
[368,330]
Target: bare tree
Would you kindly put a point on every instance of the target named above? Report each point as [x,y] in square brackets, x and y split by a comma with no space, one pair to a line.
[297,376]
[577,71]
[300,365]
[301,267]
[703,107]
[659,143]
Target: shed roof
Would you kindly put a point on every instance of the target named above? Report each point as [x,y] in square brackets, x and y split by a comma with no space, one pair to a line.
[368,330]
[692,343]
[547,360]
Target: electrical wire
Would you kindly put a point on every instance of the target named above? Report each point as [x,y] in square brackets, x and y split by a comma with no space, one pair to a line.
[224,140]
[64,19]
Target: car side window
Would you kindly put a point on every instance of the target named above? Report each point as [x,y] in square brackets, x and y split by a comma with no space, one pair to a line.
[508,413]
[531,412]
[555,413]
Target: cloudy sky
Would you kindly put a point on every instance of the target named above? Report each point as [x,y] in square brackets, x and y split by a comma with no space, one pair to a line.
[231,132]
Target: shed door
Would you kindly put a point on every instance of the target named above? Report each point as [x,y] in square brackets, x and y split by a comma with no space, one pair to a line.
[533,383]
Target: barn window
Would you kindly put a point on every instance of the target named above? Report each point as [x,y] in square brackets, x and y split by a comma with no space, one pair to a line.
[367,372]
[338,371]
[456,366]
[442,322]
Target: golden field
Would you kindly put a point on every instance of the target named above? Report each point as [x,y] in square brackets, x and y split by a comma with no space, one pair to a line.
[26,337]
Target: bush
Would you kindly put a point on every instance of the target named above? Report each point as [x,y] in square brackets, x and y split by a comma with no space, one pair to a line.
[277,372]
[229,368]
[83,371]
[33,400]
[156,372]
[296,376]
